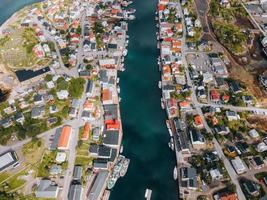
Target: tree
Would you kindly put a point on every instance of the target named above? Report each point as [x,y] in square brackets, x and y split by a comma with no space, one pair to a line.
[76,87]
[48,78]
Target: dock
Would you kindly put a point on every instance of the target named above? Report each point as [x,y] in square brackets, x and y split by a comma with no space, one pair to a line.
[148,194]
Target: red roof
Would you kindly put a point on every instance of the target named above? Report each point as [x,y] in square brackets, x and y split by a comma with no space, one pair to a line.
[161,7]
[214,95]
[64,137]
[112,124]
[86,130]
[198,120]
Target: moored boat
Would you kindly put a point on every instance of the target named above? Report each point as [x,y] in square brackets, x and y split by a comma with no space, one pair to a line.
[175,173]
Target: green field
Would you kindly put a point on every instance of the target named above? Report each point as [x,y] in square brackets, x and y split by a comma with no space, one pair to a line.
[16,50]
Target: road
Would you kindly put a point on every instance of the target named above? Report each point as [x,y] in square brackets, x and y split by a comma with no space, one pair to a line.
[198,106]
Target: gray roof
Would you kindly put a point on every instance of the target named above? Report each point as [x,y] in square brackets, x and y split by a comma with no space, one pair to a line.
[104,151]
[100,164]
[46,189]
[54,143]
[77,173]
[89,87]
[111,111]
[189,175]
[7,159]
[98,185]
[75,192]
[111,138]
[37,111]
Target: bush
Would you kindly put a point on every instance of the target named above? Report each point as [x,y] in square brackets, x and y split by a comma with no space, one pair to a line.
[76,87]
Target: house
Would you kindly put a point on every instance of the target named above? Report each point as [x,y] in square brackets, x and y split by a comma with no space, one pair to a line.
[100,165]
[77,173]
[64,138]
[73,112]
[19,117]
[111,138]
[222,130]
[89,88]
[232,115]
[53,109]
[6,122]
[215,174]
[96,134]
[198,122]
[55,170]
[38,99]
[239,165]
[248,100]
[251,188]
[96,190]
[257,162]
[8,160]
[242,147]
[261,147]
[75,192]
[197,139]
[254,134]
[107,63]
[93,150]
[86,131]
[37,112]
[62,94]
[188,176]
[214,95]
[235,87]
[225,196]
[61,157]
[47,189]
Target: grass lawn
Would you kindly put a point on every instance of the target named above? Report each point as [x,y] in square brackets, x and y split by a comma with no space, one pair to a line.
[47,160]
[83,161]
[33,151]
[16,50]
[3,176]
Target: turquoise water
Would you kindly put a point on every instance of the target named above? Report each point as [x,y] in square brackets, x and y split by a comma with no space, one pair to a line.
[145,133]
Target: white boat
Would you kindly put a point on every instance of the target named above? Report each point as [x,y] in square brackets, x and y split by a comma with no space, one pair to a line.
[148,194]
[168,124]
[122,69]
[162,103]
[131,11]
[171,144]
[118,80]
[159,84]
[124,53]
[118,89]
[170,132]
[156,18]
[119,99]
[121,149]
[175,173]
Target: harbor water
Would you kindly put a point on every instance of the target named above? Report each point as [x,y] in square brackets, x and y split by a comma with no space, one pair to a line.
[145,134]
[145,137]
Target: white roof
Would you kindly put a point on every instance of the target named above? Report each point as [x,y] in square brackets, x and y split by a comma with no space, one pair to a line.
[238,164]
[61,157]
[253,133]
[107,62]
[6,159]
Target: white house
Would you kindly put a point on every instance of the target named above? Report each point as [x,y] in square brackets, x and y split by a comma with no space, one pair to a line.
[62,94]
[239,165]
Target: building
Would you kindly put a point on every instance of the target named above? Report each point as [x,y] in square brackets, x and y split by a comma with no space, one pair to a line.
[86,131]
[215,174]
[225,196]
[232,115]
[7,160]
[188,176]
[111,138]
[98,186]
[75,192]
[77,173]
[47,189]
[239,165]
[253,133]
[197,139]
[31,75]
[251,188]
[64,138]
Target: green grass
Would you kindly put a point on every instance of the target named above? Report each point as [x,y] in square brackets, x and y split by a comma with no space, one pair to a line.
[83,161]
[3,176]
[47,161]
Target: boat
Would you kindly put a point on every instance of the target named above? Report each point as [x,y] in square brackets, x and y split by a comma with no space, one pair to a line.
[118,89]
[175,175]
[171,144]
[159,84]
[121,149]
[170,132]
[126,3]
[156,18]
[131,17]
[168,124]
[162,103]
[148,194]
[124,53]
[119,170]
[131,11]
[118,80]
[119,99]
[125,165]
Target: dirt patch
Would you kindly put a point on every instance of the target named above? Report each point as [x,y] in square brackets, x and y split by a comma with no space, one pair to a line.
[243,22]
[258,122]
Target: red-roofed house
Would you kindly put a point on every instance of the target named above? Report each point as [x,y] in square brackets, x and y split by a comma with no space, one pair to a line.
[215,96]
